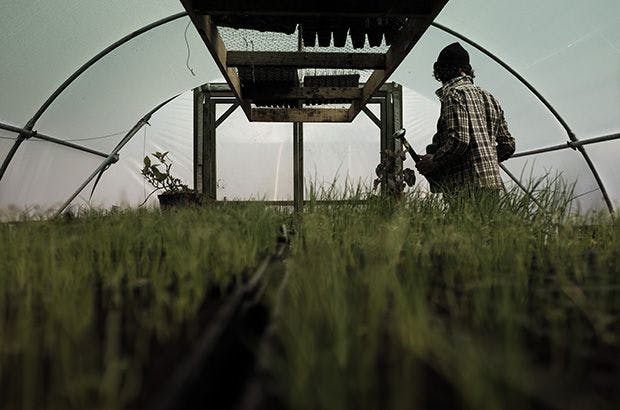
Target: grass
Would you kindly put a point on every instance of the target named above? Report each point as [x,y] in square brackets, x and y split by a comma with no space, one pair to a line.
[387,305]
[67,287]
[418,306]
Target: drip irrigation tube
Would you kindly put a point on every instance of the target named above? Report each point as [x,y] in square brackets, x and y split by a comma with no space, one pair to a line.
[178,393]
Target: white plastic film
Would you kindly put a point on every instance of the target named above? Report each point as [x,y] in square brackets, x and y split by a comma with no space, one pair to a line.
[568,50]
[170,130]
[7,139]
[605,156]
[116,92]
[43,175]
[254,160]
[341,156]
[565,166]
[44,42]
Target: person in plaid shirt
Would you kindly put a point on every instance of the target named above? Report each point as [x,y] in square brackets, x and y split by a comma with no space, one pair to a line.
[472,135]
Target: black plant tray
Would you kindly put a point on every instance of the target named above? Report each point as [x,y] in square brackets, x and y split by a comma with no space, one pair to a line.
[344,80]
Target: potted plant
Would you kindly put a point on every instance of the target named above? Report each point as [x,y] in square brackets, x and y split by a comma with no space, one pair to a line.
[174,191]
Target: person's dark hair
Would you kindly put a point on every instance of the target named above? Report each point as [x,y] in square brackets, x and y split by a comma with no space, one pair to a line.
[451,61]
[445,73]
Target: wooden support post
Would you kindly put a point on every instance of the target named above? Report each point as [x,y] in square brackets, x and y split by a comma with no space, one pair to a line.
[397,114]
[384,142]
[199,125]
[298,165]
[206,99]
[209,152]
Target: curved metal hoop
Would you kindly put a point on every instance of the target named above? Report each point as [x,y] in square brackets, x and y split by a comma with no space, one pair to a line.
[30,125]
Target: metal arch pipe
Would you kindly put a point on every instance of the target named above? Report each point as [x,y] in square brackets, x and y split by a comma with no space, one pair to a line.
[30,124]
[113,156]
[44,137]
[567,145]
[543,100]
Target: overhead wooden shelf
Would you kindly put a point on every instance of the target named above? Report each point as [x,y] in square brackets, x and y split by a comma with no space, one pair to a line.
[327,94]
[315,7]
[293,95]
[300,115]
[361,61]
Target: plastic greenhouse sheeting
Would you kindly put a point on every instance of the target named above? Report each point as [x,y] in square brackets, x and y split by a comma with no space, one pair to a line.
[568,50]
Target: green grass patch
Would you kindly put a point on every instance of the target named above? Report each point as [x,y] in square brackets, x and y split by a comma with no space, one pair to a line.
[410,304]
[68,288]
[422,305]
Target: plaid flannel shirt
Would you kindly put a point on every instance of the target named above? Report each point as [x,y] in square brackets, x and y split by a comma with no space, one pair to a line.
[472,137]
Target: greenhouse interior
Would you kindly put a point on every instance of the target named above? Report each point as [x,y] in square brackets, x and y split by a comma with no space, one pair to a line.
[296,276]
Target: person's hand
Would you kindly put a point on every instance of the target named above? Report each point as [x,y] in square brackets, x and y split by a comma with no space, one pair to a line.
[425,165]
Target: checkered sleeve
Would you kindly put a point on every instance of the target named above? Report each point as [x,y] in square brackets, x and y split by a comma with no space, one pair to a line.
[454,113]
[505,142]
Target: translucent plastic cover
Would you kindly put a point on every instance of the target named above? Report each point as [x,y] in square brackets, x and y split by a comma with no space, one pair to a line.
[254,160]
[568,51]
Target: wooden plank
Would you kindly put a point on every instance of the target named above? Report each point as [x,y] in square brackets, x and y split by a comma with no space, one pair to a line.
[299,115]
[212,39]
[198,137]
[298,165]
[312,93]
[306,59]
[316,7]
[302,93]
[401,46]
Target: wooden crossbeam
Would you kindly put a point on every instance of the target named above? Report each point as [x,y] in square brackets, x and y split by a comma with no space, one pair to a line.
[306,59]
[313,93]
[299,115]
[383,65]
[315,7]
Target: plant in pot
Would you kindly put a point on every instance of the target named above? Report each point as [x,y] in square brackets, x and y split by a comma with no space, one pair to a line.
[173,191]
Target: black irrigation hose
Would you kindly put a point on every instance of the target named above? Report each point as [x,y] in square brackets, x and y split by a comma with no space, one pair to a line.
[177,394]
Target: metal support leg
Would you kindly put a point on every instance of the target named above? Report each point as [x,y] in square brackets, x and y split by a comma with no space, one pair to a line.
[391,120]
[396,96]
[384,142]
[298,165]
[209,155]
[199,99]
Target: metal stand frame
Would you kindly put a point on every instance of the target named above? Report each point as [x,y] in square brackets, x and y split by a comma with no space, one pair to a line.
[206,98]
[27,132]
[420,15]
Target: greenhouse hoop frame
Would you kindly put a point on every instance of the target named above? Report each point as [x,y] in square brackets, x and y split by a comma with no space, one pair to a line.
[27,131]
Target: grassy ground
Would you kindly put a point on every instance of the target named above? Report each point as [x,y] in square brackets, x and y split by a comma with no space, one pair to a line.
[408,305]
[83,300]
[419,306]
